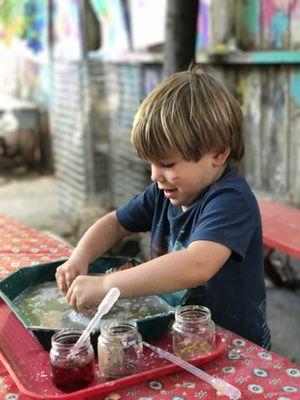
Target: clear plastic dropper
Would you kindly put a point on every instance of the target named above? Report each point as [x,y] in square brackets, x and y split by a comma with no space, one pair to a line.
[223,388]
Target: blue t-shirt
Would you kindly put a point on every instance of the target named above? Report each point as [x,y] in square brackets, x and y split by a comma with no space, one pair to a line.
[227,213]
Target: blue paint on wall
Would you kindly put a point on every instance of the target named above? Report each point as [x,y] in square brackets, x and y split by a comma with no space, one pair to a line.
[295,87]
[278,26]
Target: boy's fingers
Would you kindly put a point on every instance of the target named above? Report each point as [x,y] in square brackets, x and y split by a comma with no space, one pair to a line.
[72,299]
[61,282]
[64,279]
[69,278]
[69,294]
[75,299]
[72,295]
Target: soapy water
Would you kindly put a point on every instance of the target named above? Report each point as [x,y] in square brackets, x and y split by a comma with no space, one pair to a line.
[44,306]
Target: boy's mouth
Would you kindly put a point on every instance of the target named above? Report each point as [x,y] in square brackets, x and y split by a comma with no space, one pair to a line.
[169,192]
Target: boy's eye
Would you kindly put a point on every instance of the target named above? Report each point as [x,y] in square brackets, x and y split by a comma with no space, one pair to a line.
[171,165]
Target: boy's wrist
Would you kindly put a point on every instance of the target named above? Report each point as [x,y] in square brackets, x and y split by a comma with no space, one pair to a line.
[79,259]
[108,281]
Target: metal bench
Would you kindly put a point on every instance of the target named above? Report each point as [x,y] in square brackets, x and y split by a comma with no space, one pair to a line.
[281,232]
[24,139]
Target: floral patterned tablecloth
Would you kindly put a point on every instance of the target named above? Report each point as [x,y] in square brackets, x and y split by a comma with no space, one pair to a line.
[259,374]
[21,246]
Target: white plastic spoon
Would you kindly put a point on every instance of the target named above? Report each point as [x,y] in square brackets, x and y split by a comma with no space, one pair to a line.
[223,388]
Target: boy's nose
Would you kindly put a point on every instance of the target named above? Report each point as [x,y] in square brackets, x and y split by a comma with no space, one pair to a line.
[156,175]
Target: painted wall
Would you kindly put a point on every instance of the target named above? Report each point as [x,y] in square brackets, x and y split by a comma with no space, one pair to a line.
[268,24]
[268,90]
[249,24]
[270,99]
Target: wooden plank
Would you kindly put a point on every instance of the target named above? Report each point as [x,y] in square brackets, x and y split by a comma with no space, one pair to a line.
[275,24]
[295,26]
[249,93]
[248,32]
[274,144]
[294,147]
[227,76]
[223,22]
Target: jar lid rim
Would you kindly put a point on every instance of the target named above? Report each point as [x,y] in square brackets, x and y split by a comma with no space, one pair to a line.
[119,328]
[182,311]
[57,338]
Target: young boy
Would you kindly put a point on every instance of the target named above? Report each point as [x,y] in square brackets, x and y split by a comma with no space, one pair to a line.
[204,219]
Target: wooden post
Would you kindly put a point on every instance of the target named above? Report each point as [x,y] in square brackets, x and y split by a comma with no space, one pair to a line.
[181,23]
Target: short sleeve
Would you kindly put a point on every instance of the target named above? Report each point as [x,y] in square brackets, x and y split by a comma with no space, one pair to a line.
[137,214]
[229,217]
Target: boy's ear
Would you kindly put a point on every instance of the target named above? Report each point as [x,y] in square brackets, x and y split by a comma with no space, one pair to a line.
[221,157]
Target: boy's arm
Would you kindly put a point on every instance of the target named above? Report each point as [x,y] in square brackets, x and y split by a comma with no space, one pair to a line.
[99,238]
[171,272]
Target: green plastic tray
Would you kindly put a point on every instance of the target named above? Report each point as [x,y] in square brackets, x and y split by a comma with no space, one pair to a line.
[151,327]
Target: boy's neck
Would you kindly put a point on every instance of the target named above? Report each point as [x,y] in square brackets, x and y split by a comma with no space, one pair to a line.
[221,172]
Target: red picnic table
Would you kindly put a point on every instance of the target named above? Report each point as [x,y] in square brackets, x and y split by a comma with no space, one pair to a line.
[281,232]
[259,374]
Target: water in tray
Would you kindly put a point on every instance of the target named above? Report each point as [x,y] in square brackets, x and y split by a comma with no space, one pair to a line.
[44,306]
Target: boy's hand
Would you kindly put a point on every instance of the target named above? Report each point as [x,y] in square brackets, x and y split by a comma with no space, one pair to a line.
[67,272]
[86,291]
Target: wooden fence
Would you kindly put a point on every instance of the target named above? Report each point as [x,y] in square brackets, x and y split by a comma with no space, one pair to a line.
[253,46]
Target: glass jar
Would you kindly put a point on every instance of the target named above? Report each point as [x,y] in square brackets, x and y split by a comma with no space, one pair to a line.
[120,348]
[193,332]
[71,371]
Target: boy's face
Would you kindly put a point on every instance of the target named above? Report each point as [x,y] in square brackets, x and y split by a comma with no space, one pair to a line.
[184,181]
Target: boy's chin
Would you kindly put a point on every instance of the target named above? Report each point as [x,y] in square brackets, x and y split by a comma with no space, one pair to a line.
[182,204]
[176,202]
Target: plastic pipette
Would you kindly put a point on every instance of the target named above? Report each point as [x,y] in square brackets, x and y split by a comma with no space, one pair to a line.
[223,388]
[106,304]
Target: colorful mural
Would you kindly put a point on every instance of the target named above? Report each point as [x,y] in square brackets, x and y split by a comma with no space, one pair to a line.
[27,20]
[36,20]
[275,17]
[11,20]
[114,33]
[270,19]
[250,15]
[203,25]
[257,24]
[67,30]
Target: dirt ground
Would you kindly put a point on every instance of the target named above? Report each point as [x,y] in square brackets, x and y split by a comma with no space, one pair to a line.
[32,199]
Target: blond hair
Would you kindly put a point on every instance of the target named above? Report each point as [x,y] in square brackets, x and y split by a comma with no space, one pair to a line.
[190,114]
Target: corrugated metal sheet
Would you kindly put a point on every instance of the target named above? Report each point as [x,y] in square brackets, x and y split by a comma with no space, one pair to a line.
[129,83]
[79,127]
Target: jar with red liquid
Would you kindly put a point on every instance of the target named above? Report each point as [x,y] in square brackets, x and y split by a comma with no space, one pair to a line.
[71,371]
